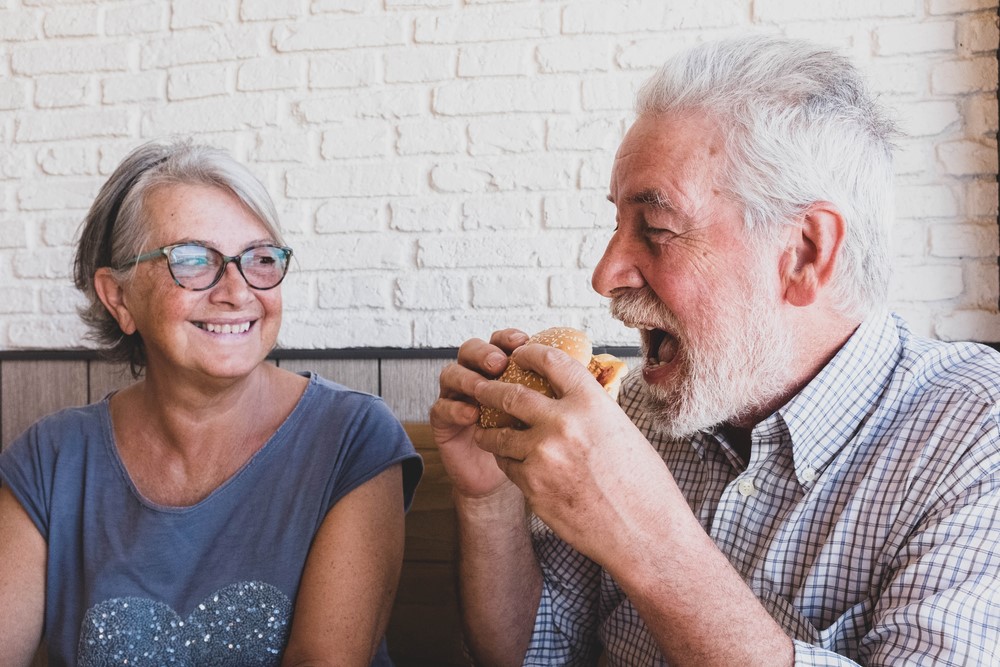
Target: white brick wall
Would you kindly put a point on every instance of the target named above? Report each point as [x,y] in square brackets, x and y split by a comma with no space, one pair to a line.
[441,166]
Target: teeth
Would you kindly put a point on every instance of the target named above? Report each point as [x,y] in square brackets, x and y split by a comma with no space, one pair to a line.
[226,328]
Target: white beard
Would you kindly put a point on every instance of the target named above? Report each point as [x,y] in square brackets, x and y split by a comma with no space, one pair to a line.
[735,361]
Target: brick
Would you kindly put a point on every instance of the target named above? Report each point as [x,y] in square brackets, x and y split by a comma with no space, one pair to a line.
[590,18]
[14,300]
[499,291]
[921,119]
[356,251]
[49,332]
[344,70]
[962,240]
[914,157]
[486,25]
[924,37]
[582,133]
[56,195]
[43,263]
[72,22]
[340,6]
[134,19]
[61,300]
[61,229]
[581,54]
[981,115]
[595,172]
[297,290]
[979,325]
[592,249]
[605,330]
[125,88]
[928,282]
[500,213]
[271,10]
[586,210]
[197,82]
[430,137]
[350,216]
[610,92]
[503,59]
[198,14]
[356,290]
[54,92]
[13,233]
[14,163]
[340,33]
[431,290]
[271,74]
[964,158]
[281,147]
[453,330]
[357,139]
[13,95]
[908,77]
[782,11]
[937,7]
[503,95]
[66,58]
[926,201]
[423,214]
[910,239]
[194,47]
[335,330]
[356,180]
[965,76]
[499,136]
[370,103]
[540,173]
[981,287]
[981,199]
[647,54]
[19,26]
[55,125]
[466,251]
[978,33]
[209,116]
[68,160]
[419,64]
[573,290]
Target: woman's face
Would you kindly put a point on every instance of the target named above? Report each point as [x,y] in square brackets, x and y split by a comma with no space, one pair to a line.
[225,331]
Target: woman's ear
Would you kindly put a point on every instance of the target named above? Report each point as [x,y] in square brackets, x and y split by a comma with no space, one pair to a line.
[111,294]
[807,267]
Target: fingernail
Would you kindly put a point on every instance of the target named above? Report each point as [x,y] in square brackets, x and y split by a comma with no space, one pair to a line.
[495,359]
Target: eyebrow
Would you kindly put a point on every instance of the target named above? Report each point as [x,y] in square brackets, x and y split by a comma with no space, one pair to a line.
[649,197]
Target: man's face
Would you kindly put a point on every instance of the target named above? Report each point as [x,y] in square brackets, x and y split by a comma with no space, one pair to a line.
[682,269]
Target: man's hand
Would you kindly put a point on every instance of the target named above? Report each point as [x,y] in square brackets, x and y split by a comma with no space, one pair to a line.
[455,415]
[578,454]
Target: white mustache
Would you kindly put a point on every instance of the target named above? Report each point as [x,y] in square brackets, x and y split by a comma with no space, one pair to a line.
[641,306]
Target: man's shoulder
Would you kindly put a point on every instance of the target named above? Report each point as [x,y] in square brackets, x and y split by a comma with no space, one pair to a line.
[934,365]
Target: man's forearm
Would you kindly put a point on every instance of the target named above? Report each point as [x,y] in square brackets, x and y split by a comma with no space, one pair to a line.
[499,579]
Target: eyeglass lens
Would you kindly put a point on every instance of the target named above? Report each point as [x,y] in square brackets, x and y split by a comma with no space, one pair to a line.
[197,267]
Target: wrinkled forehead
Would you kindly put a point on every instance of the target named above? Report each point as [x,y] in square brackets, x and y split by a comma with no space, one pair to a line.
[666,150]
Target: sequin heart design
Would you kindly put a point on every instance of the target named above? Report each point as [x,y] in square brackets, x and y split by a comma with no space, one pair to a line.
[245,624]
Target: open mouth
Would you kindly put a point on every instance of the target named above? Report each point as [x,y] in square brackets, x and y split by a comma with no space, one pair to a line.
[661,347]
[234,328]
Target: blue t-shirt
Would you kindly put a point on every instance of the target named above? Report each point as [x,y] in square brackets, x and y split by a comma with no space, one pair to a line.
[211,585]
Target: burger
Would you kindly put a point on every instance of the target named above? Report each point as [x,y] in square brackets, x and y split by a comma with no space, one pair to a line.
[606,369]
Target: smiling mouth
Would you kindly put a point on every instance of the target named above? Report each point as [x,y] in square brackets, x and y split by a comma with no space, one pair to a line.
[237,328]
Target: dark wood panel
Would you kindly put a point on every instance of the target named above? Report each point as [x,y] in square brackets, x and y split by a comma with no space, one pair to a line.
[424,628]
[360,374]
[33,389]
[409,386]
[106,377]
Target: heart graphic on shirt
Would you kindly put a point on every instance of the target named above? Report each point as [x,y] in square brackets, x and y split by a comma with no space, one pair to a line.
[245,624]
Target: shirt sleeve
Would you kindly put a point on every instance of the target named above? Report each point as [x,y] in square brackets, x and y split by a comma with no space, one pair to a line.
[941,602]
[566,624]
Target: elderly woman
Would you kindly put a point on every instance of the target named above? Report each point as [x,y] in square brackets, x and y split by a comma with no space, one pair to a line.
[221,510]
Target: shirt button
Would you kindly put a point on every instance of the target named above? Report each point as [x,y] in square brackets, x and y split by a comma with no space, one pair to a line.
[809,475]
[746,488]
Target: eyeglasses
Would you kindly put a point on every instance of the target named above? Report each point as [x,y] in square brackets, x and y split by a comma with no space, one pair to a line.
[197,267]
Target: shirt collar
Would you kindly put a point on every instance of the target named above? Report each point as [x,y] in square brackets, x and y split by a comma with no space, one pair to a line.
[827,412]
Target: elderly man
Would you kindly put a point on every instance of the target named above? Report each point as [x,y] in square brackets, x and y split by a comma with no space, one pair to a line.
[795,478]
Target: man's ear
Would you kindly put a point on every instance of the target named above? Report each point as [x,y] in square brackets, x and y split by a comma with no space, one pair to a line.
[110,292]
[811,254]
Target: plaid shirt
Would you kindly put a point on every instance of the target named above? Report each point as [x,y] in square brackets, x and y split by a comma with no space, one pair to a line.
[867,521]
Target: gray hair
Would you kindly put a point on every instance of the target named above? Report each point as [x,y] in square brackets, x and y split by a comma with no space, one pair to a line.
[800,127]
[116,229]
